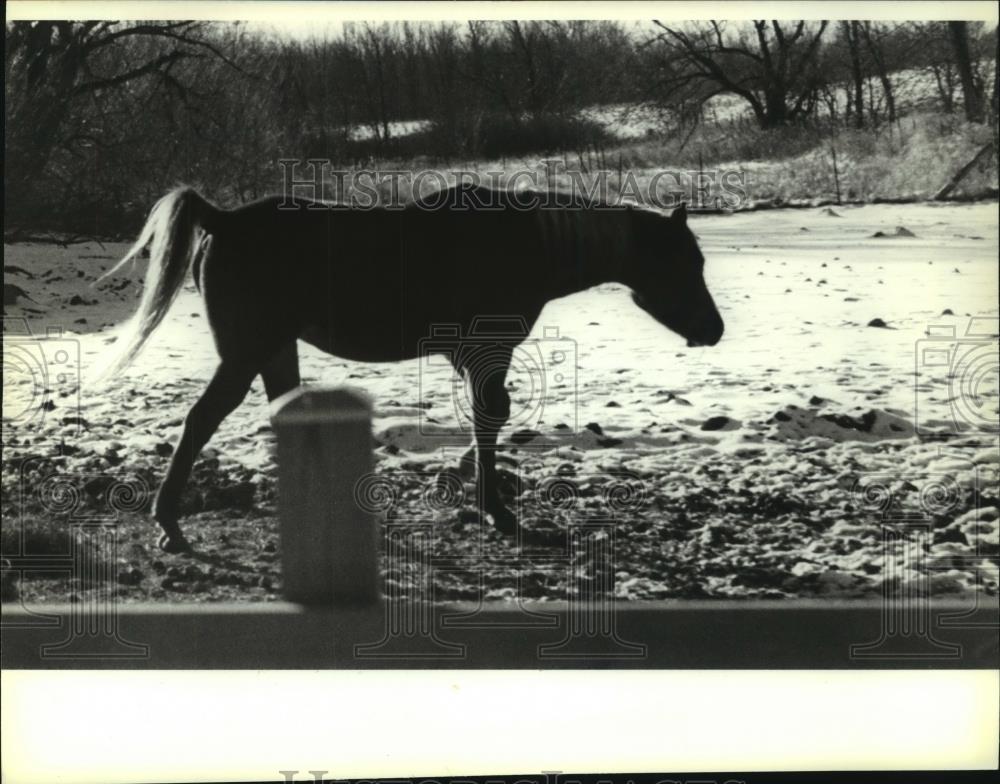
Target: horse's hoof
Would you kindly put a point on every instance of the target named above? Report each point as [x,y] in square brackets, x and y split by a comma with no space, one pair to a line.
[504,520]
[467,466]
[174,544]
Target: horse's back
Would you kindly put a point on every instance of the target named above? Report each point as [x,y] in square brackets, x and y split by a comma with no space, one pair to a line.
[373,282]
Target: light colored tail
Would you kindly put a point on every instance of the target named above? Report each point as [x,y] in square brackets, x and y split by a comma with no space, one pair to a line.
[171,232]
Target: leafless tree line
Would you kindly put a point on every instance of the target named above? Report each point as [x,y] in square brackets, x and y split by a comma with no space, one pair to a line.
[101,116]
[784,71]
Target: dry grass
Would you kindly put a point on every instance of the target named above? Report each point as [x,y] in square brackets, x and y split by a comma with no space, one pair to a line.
[908,161]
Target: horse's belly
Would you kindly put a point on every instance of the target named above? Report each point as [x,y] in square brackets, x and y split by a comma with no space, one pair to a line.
[361,343]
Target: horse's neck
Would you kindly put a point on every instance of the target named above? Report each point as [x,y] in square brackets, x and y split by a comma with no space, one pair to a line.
[586,247]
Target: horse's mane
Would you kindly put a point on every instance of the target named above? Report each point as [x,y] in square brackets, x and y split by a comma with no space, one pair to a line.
[581,228]
[573,227]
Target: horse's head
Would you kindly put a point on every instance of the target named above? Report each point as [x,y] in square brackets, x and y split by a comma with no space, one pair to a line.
[666,277]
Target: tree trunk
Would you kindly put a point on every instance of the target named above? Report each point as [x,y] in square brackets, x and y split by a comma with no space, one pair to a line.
[878,57]
[775,109]
[995,98]
[942,76]
[857,79]
[959,34]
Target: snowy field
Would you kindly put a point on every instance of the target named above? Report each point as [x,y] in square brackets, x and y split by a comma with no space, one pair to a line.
[766,466]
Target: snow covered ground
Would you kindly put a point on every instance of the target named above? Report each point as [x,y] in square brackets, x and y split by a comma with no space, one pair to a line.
[768,465]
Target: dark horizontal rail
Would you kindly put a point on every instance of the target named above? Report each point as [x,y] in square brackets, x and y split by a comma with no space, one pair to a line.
[797,634]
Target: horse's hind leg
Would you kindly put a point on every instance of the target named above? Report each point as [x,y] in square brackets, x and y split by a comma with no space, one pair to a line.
[491,409]
[225,392]
[467,462]
[281,373]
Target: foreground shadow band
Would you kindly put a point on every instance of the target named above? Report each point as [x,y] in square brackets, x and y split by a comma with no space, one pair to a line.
[802,634]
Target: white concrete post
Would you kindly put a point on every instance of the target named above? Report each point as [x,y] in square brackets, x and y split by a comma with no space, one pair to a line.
[329,544]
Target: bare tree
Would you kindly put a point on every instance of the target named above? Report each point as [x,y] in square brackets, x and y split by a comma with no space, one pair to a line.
[856,92]
[52,67]
[376,46]
[874,34]
[995,97]
[972,87]
[770,67]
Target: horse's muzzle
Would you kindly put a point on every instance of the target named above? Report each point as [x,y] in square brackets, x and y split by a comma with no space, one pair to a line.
[710,336]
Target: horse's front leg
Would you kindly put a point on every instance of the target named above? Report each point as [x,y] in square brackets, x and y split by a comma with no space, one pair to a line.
[491,409]
[225,392]
[467,462]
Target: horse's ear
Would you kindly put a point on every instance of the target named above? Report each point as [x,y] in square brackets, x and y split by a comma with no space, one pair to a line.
[680,214]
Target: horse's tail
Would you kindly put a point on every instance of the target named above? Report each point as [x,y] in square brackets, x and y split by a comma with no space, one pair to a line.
[171,232]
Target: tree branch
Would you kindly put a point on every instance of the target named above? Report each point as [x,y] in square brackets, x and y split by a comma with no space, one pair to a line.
[135,73]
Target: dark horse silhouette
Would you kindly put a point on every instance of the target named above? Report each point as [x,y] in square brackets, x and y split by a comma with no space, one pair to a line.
[370,284]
